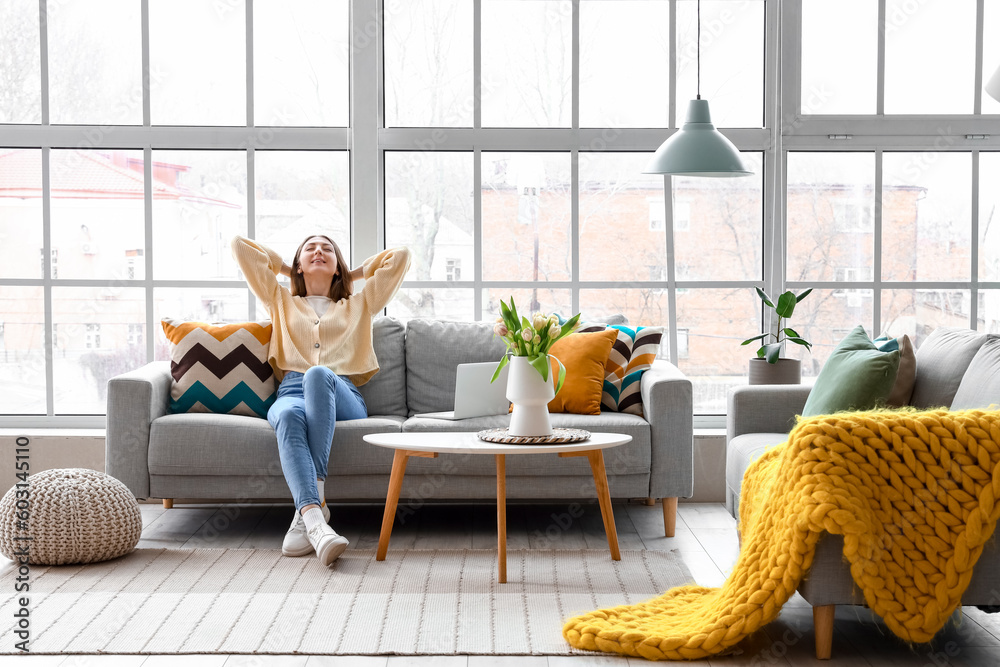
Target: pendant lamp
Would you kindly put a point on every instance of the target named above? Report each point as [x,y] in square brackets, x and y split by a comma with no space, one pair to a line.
[698,149]
[993,86]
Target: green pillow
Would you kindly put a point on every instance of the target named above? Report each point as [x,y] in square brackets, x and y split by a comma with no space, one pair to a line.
[857,376]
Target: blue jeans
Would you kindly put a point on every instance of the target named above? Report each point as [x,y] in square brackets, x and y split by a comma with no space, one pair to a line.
[303,417]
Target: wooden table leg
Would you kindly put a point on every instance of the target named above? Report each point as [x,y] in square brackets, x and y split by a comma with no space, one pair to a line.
[501,518]
[596,459]
[399,460]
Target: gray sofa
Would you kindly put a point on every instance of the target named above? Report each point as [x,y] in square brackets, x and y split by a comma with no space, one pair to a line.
[957,368]
[231,457]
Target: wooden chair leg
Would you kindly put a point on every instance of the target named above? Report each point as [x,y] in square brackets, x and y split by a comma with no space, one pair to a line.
[669,516]
[650,502]
[168,503]
[823,627]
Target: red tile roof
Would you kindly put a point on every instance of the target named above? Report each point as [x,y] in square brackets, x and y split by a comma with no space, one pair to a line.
[83,175]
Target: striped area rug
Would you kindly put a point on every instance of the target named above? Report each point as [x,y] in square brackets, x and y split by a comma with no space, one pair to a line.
[256,601]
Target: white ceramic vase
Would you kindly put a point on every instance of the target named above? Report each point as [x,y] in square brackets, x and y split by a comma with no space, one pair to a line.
[530,396]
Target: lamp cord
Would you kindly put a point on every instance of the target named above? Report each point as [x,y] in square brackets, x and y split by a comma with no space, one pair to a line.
[698,66]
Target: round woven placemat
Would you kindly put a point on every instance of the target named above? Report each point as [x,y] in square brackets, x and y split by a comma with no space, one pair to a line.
[559,436]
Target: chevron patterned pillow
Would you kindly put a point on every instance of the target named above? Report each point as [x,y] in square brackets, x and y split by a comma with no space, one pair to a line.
[631,356]
[220,368]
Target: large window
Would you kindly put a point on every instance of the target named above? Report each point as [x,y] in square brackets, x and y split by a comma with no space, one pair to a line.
[503,141]
[891,170]
[125,216]
[537,190]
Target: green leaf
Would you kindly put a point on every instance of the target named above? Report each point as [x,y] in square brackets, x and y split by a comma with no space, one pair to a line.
[760,351]
[786,305]
[791,332]
[513,310]
[568,326]
[503,362]
[509,319]
[764,297]
[772,352]
[541,364]
[803,295]
[800,341]
[750,340]
[562,375]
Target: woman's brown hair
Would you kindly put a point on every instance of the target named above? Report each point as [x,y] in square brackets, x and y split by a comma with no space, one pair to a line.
[342,286]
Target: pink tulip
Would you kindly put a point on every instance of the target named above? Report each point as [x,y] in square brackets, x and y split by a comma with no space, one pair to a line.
[526,334]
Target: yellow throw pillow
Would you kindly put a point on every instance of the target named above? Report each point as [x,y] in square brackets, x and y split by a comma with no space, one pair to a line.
[584,355]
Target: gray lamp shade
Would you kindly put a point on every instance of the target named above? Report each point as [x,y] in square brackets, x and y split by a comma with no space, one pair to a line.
[993,86]
[698,149]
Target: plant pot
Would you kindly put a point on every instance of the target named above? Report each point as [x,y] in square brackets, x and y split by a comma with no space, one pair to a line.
[784,371]
[530,395]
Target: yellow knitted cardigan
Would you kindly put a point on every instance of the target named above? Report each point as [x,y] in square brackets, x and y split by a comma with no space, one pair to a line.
[913,493]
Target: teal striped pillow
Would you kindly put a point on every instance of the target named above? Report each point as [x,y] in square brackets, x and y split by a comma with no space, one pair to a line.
[631,356]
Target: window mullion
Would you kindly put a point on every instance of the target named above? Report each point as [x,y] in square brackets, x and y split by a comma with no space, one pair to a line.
[880,74]
[977,105]
[574,215]
[367,166]
[144,46]
[672,83]
[249,62]
[877,249]
[47,281]
[974,243]
[43,45]
[147,216]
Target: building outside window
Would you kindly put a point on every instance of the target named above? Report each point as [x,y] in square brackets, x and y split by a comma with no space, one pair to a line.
[93,340]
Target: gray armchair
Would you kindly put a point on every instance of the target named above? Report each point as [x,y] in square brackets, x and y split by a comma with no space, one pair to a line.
[762,416]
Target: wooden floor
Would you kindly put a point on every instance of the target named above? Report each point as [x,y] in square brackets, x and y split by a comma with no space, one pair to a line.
[705,537]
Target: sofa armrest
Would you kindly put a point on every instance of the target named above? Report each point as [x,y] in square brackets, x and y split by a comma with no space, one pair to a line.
[667,402]
[135,399]
[764,408]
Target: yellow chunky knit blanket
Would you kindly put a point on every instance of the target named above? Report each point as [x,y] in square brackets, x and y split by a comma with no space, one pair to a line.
[913,493]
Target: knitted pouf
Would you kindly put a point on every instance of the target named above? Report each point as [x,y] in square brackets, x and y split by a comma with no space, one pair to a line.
[75,515]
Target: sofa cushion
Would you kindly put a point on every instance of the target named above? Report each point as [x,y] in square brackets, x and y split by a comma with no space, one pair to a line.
[188,444]
[385,393]
[220,368]
[741,452]
[857,376]
[942,360]
[584,356]
[902,388]
[980,386]
[433,351]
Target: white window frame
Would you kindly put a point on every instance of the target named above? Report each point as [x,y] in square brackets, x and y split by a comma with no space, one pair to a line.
[786,129]
[880,133]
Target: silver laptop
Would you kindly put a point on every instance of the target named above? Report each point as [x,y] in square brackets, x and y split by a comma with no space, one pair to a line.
[475,396]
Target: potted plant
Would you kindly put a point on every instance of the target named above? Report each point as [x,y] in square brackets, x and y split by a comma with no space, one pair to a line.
[770,367]
[529,388]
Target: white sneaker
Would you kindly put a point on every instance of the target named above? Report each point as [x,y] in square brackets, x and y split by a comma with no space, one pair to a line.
[327,543]
[296,543]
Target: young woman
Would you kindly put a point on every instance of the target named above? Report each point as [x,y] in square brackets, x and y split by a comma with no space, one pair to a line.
[321,352]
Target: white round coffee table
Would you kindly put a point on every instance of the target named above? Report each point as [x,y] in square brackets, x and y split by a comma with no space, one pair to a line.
[429,445]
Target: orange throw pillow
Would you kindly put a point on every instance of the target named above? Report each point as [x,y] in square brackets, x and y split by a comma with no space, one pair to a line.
[584,355]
